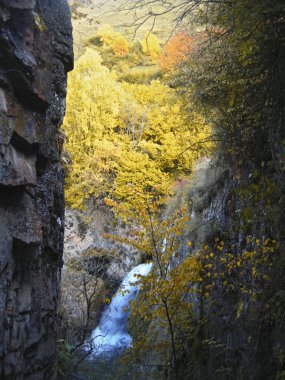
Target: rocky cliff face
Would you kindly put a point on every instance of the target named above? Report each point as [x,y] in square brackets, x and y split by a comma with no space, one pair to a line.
[35,55]
[112,260]
[242,334]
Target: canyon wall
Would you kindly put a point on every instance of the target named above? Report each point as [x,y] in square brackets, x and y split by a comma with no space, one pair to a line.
[35,56]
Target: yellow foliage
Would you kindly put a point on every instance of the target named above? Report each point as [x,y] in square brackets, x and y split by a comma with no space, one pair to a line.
[94,101]
[151,46]
[239,269]
[107,35]
[165,292]
[120,46]
[125,141]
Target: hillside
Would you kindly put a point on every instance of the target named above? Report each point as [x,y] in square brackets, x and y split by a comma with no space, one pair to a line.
[89,16]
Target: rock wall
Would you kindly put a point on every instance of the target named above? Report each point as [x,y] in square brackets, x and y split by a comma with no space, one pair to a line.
[238,328]
[35,55]
[242,334]
[85,233]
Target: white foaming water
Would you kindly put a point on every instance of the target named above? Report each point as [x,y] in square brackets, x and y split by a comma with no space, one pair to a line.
[111,333]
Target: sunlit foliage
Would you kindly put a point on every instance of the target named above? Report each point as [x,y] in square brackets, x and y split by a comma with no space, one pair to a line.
[170,310]
[176,51]
[151,46]
[120,46]
[126,139]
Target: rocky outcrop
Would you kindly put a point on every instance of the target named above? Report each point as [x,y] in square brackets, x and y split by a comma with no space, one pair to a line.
[35,55]
[84,235]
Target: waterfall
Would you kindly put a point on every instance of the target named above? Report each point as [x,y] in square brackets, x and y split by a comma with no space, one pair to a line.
[111,333]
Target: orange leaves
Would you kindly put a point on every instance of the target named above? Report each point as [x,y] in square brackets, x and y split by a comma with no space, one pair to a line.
[176,51]
[120,46]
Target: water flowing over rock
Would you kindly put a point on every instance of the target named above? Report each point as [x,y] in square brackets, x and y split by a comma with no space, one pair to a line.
[35,55]
[111,333]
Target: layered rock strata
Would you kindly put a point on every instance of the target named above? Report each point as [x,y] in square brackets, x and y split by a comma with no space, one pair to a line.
[35,55]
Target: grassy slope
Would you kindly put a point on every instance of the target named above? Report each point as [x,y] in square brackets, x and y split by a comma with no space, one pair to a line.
[100,12]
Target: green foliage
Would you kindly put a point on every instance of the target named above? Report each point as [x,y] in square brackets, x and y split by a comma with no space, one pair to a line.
[136,48]
[139,75]
[65,357]
[93,40]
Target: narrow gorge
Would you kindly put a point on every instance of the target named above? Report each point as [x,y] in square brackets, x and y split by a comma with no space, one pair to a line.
[142,190]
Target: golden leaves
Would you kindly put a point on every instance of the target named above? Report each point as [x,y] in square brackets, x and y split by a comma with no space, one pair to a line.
[124,141]
[151,46]
[233,268]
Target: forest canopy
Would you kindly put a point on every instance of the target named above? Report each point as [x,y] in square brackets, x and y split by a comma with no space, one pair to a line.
[127,138]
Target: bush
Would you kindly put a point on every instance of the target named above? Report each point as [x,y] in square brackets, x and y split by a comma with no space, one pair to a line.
[120,46]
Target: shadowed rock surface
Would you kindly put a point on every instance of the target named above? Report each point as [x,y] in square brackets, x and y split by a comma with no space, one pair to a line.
[35,55]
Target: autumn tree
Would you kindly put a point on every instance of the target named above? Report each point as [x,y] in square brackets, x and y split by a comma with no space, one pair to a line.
[165,303]
[93,111]
[107,35]
[124,138]
[151,46]
[120,46]
[176,51]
